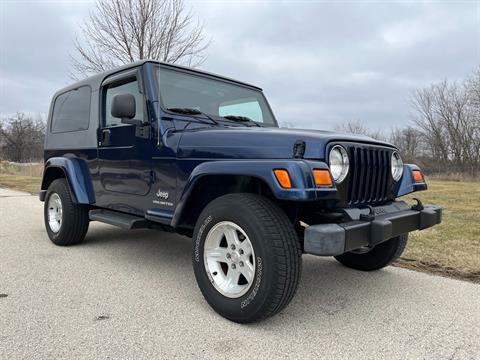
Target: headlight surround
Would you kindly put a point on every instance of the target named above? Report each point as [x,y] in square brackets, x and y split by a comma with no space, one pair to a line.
[339,163]
[397,166]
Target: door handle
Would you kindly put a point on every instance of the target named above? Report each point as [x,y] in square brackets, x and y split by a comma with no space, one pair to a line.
[105,139]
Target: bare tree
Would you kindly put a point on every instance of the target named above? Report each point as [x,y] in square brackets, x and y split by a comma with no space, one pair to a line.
[22,138]
[409,141]
[358,128]
[122,31]
[447,115]
[473,86]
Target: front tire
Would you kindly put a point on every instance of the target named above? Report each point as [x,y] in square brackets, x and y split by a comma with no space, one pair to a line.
[378,257]
[246,257]
[66,222]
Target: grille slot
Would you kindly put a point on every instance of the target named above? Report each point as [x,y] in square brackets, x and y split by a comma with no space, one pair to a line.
[369,175]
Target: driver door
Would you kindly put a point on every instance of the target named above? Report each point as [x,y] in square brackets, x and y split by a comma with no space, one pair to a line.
[124,150]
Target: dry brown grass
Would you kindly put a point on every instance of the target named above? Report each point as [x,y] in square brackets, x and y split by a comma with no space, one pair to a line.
[451,248]
[22,177]
[29,184]
[23,169]
[462,177]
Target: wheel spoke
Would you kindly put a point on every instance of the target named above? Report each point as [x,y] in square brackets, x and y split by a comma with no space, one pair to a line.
[232,277]
[246,246]
[217,254]
[248,272]
[231,236]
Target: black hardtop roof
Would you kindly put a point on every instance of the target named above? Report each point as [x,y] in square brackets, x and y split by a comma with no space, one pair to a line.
[96,80]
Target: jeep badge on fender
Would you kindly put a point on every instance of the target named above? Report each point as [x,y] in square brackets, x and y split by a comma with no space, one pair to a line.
[153,145]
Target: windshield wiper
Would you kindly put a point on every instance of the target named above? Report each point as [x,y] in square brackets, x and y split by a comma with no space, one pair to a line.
[192,111]
[241,119]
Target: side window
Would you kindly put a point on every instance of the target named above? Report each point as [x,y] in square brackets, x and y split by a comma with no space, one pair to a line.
[71,111]
[130,87]
[247,107]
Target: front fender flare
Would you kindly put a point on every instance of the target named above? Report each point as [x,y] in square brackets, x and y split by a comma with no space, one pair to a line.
[78,177]
[303,186]
[407,185]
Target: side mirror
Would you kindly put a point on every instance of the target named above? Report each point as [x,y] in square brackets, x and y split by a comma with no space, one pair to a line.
[124,107]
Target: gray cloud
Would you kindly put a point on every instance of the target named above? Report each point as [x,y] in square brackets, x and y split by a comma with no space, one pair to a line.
[319,62]
[35,41]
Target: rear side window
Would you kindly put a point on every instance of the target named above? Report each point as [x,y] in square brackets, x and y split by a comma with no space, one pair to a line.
[71,111]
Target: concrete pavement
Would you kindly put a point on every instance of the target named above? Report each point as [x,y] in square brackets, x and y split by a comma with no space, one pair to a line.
[133,295]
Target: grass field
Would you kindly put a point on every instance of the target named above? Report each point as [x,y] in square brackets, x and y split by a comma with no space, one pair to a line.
[451,248]
[25,177]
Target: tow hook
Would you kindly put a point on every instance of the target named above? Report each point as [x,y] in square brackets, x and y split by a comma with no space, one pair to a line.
[418,206]
[370,216]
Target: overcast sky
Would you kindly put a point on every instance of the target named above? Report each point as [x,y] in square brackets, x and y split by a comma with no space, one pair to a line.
[319,62]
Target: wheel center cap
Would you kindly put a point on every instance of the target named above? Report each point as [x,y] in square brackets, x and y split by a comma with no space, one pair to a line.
[235,257]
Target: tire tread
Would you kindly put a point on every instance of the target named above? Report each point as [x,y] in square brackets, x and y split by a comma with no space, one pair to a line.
[75,221]
[278,231]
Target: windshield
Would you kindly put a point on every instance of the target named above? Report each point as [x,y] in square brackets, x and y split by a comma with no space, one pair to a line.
[214,97]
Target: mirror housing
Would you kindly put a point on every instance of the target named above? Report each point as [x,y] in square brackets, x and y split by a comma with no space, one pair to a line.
[124,107]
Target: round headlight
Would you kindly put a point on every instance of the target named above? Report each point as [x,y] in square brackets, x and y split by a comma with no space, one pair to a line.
[397,166]
[338,162]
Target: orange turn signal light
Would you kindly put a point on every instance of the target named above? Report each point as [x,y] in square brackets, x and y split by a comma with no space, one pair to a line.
[322,177]
[417,176]
[283,178]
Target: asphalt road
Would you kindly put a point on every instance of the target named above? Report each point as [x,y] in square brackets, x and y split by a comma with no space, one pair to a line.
[133,295]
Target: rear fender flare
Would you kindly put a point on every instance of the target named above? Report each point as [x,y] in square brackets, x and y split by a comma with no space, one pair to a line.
[77,174]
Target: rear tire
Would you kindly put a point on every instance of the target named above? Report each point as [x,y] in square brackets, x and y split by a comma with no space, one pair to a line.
[265,240]
[378,257]
[66,222]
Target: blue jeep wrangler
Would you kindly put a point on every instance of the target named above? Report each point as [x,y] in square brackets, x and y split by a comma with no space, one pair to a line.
[152,145]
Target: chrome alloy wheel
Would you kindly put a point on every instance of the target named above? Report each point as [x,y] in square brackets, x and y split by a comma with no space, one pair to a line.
[229,259]
[54,212]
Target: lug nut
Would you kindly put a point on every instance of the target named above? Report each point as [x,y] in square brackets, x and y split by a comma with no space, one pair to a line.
[232,247]
[229,256]
[240,251]
[233,266]
[240,263]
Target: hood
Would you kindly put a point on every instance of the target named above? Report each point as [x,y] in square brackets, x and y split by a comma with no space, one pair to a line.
[260,143]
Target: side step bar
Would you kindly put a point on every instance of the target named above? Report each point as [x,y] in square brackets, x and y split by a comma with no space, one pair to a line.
[124,221]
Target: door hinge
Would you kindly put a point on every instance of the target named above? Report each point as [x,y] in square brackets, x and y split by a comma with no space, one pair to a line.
[153,177]
[143,132]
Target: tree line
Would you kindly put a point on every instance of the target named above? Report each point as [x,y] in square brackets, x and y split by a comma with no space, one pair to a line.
[22,138]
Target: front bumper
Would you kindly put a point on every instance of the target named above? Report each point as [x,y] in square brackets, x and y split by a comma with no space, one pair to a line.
[383,224]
